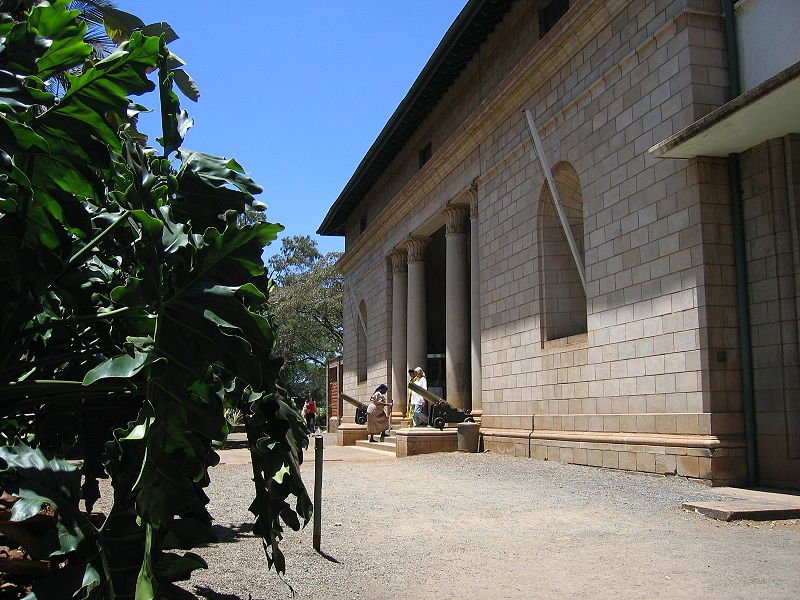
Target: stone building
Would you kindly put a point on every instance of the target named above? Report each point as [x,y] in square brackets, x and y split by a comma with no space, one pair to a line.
[640,310]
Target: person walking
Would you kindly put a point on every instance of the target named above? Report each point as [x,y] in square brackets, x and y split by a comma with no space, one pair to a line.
[377,421]
[310,414]
[419,415]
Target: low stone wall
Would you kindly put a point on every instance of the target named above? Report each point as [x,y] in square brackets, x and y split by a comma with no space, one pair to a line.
[710,459]
[349,433]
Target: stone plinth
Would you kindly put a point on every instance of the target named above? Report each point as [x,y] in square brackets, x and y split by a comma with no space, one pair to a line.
[350,432]
[426,440]
[513,442]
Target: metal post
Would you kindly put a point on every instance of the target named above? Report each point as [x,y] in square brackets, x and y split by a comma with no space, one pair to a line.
[318,451]
[562,216]
[740,262]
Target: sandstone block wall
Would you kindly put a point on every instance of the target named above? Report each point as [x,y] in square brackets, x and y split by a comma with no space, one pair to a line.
[651,381]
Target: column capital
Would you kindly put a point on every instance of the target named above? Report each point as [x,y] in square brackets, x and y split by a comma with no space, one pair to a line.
[415,246]
[473,202]
[456,218]
[399,260]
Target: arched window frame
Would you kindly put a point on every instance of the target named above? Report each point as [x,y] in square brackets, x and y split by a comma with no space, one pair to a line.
[361,343]
[562,297]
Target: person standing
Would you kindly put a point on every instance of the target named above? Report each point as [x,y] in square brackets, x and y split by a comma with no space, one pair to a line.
[419,415]
[377,421]
[310,413]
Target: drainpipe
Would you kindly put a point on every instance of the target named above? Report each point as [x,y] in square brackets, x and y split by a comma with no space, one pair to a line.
[740,260]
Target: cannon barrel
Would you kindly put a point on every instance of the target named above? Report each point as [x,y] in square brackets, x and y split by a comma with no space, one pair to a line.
[361,408]
[353,401]
[429,396]
[440,412]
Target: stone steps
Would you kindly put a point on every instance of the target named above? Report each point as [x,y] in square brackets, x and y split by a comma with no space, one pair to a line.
[388,445]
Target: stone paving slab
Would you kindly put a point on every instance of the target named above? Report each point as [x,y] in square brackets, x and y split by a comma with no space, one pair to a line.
[755,505]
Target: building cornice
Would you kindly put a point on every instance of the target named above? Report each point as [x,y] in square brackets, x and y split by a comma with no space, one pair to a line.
[508,97]
[460,43]
[582,23]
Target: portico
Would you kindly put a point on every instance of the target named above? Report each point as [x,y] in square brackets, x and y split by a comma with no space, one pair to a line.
[411,344]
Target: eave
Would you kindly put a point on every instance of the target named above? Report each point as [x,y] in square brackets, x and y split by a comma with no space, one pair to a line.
[769,110]
[462,40]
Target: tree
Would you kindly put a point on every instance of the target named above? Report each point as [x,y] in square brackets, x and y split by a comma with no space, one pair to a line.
[306,303]
[132,317]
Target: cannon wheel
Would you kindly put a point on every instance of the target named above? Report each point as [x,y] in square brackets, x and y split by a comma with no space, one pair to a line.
[439,423]
[361,419]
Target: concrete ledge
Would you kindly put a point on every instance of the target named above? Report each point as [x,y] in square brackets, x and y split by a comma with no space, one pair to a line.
[425,440]
[641,439]
[756,505]
[348,433]
[743,509]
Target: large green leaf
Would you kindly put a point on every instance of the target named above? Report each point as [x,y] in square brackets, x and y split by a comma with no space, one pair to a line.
[40,481]
[119,24]
[186,84]
[22,137]
[175,567]
[73,580]
[124,366]
[16,95]
[20,46]
[64,31]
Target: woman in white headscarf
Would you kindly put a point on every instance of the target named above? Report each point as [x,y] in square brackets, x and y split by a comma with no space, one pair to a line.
[419,415]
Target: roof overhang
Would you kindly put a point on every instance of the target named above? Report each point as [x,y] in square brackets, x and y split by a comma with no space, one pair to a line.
[462,40]
[769,110]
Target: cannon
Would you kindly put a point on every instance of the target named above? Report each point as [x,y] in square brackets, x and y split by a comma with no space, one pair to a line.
[440,413]
[361,408]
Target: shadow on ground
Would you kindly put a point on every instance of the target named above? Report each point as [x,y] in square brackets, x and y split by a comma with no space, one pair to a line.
[210,594]
[232,533]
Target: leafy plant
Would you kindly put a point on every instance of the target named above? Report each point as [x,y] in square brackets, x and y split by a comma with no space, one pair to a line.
[133,300]
[234,416]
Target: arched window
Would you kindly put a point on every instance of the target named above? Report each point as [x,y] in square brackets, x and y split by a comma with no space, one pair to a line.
[563,299]
[361,342]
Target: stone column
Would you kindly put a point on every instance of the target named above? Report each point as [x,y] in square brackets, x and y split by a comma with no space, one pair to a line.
[475,305]
[457,323]
[399,332]
[417,339]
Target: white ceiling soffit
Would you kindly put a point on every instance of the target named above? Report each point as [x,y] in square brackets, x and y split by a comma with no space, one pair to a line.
[770,110]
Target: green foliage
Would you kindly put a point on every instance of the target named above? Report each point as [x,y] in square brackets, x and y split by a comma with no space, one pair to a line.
[307,305]
[133,302]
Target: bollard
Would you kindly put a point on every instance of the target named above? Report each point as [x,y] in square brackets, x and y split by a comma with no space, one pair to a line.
[318,448]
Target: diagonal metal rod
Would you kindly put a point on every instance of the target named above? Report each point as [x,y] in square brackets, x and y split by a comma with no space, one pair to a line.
[562,216]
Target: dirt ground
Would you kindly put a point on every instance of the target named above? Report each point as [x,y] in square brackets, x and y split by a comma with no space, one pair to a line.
[486,526]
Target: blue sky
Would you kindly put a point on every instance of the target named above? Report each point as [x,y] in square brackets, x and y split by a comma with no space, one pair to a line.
[298,91]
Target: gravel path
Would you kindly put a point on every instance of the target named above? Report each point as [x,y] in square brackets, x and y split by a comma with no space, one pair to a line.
[486,526]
